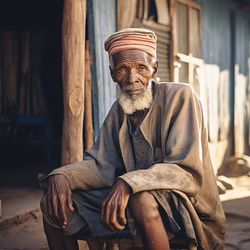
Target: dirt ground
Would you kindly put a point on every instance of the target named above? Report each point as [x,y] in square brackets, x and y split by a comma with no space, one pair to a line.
[30,236]
[25,236]
[236,204]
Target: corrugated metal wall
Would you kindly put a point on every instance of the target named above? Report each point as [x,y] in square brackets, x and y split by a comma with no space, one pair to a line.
[216,86]
[241,79]
[102,23]
[163,49]
[225,47]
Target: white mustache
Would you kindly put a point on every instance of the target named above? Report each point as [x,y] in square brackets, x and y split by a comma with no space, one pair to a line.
[130,104]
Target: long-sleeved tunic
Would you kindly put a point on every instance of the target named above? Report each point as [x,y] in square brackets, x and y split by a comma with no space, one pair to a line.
[178,159]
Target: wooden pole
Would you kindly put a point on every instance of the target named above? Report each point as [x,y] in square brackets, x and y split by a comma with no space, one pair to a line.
[73,67]
[88,114]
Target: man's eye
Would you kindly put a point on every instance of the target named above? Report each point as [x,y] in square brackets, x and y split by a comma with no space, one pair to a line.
[121,70]
[141,68]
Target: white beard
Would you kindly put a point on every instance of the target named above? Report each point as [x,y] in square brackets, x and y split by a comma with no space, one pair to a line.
[130,104]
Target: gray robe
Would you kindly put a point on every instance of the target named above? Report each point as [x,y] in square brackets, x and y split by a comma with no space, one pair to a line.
[179,159]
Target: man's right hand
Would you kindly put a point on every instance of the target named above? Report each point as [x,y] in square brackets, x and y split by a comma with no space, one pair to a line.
[59,199]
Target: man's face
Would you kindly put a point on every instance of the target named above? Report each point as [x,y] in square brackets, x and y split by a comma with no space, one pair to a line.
[132,70]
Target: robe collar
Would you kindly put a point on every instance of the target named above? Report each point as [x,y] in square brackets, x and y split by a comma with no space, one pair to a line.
[124,137]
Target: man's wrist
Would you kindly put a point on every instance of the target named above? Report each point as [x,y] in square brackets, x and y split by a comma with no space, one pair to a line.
[125,184]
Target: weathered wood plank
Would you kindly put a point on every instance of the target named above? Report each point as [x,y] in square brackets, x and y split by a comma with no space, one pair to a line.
[224,105]
[126,13]
[88,114]
[212,78]
[239,109]
[73,67]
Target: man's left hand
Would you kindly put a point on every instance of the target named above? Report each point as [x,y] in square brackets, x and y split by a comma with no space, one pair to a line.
[113,211]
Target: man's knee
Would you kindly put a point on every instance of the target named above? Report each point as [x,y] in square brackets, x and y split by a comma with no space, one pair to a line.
[47,217]
[75,221]
[44,206]
[144,208]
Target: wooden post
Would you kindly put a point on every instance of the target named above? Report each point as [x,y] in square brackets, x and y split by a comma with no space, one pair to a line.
[73,67]
[88,114]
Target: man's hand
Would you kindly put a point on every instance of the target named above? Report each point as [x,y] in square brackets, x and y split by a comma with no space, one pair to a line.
[59,199]
[113,211]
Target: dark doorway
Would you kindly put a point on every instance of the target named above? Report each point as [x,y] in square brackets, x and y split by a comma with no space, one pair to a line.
[31,101]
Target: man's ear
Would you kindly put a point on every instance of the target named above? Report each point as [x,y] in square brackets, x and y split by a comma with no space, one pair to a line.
[155,67]
[112,73]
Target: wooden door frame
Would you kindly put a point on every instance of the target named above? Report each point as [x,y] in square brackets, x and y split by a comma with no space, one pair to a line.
[177,57]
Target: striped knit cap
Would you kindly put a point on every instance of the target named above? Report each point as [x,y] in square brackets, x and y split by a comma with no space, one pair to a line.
[132,38]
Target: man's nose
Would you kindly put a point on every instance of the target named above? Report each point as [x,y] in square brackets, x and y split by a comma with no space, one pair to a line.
[132,77]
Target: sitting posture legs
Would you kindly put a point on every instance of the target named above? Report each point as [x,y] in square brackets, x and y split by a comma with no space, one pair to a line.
[57,239]
[145,211]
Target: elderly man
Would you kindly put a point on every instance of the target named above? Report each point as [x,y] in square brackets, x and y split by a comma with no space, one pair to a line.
[149,173]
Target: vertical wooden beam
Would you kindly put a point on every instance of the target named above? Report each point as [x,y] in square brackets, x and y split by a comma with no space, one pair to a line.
[88,114]
[232,78]
[174,65]
[73,68]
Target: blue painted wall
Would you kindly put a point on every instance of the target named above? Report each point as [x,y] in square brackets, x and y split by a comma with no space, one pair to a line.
[102,23]
[216,32]
[226,43]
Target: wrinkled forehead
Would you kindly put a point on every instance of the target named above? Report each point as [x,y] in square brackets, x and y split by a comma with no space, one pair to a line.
[130,56]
